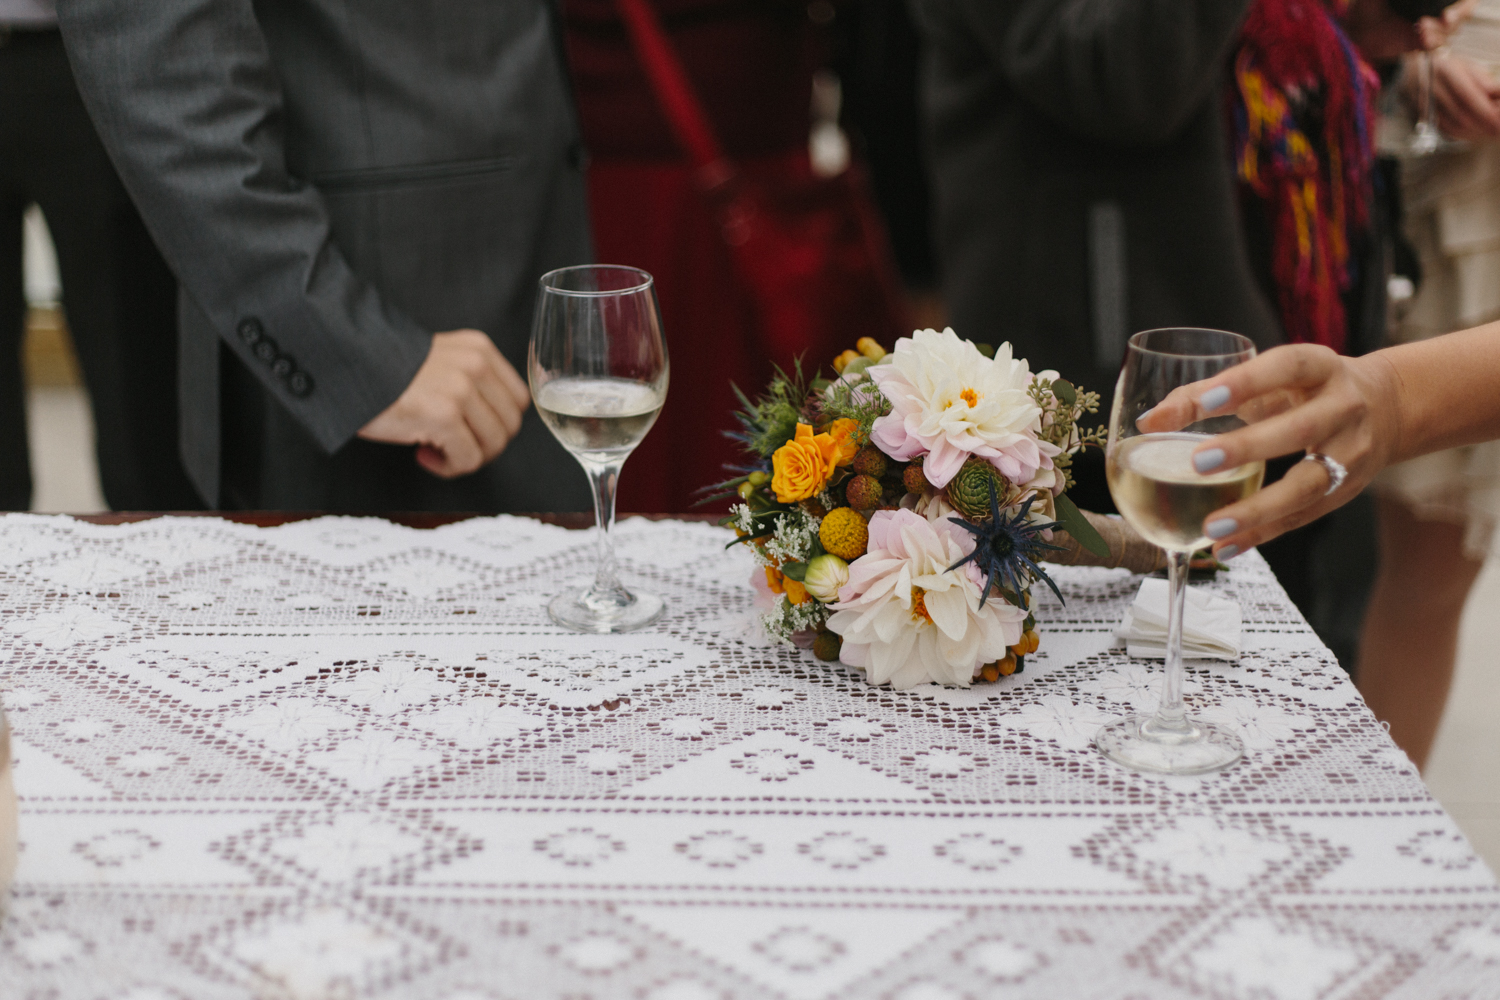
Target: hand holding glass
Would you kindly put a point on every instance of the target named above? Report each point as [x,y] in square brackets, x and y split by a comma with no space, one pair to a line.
[1159,491]
[598,374]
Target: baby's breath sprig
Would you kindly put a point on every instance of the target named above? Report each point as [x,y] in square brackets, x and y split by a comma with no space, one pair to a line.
[785,618]
[793,539]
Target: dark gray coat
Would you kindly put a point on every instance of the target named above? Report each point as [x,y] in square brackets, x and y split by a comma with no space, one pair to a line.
[1083,186]
[333,182]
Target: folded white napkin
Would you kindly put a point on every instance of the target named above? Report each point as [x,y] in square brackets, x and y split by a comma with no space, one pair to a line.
[1210,628]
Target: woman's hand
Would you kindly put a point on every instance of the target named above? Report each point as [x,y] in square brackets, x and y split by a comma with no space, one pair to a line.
[1465,96]
[1382,35]
[1293,398]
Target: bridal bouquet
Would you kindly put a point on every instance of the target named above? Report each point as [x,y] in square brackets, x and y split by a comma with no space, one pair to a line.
[899,512]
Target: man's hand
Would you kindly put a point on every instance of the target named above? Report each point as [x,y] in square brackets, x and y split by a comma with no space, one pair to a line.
[462,408]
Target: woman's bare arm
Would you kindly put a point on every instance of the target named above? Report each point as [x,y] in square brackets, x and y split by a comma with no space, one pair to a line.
[1364,412]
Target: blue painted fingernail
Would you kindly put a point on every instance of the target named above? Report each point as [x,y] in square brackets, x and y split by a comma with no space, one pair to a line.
[1227,553]
[1221,527]
[1214,399]
[1208,461]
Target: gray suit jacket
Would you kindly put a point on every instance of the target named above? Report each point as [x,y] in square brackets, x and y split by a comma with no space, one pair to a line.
[332,182]
[1084,190]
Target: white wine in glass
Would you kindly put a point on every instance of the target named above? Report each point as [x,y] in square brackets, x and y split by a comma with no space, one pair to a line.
[598,373]
[599,419]
[1161,494]
[1153,482]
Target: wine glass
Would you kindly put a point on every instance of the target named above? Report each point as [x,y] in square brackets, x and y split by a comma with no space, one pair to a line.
[598,373]
[1161,494]
[1425,137]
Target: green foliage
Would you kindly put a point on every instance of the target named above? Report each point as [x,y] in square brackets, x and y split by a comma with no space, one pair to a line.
[859,400]
[770,421]
[1063,406]
[1075,524]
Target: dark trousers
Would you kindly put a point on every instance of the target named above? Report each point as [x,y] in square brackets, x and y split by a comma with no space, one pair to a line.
[119,295]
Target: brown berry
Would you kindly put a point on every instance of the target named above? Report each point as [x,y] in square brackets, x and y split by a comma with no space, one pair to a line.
[914,480]
[869,461]
[826,645]
[863,492]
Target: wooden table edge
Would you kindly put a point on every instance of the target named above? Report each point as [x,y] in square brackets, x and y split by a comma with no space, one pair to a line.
[412,519]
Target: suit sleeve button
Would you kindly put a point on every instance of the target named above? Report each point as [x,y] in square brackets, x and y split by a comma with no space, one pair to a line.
[265,350]
[283,367]
[300,384]
[250,330]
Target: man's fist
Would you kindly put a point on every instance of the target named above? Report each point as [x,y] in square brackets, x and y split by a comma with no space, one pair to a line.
[462,408]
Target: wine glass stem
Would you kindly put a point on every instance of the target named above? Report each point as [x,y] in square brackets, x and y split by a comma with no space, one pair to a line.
[604,478]
[1427,89]
[1171,716]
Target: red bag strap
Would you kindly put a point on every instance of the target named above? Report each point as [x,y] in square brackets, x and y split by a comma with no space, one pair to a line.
[674,92]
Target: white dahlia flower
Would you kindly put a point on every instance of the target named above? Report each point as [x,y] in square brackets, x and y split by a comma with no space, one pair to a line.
[948,402]
[907,620]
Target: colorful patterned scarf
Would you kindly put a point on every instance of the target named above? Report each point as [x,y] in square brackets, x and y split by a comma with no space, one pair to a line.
[1302,111]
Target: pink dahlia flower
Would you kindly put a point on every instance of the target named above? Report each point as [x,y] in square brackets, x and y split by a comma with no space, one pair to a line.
[948,402]
[906,619]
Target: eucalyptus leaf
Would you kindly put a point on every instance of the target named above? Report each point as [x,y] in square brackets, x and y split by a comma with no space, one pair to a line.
[795,570]
[1063,390]
[1075,524]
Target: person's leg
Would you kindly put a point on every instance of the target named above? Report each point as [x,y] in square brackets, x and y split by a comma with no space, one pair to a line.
[15,467]
[1411,628]
[120,301]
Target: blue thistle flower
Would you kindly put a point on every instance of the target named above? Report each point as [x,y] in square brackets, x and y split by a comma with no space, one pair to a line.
[1008,549]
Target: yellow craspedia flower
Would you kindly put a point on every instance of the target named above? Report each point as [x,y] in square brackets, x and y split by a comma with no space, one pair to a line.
[844,533]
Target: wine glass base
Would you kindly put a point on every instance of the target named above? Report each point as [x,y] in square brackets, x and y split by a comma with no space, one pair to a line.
[575,610]
[1198,750]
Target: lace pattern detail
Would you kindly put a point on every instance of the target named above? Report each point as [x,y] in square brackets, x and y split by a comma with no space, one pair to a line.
[342,758]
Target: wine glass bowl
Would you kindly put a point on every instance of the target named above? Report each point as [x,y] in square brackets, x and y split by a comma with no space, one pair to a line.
[1160,492]
[598,372]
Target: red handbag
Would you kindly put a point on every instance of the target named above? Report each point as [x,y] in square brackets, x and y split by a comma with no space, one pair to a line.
[810,250]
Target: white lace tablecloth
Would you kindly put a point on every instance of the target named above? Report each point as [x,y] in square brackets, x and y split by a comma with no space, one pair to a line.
[345,759]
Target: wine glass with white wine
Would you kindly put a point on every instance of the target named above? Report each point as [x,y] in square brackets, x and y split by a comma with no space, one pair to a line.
[1161,494]
[598,373]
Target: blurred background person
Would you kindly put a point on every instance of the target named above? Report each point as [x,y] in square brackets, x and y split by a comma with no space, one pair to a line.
[1081,179]
[1437,513]
[120,299]
[752,69]
[357,201]
[1301,111]
[877,59]
[1099,170]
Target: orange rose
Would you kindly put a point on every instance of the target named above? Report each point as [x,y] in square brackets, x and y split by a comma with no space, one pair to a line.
[775,580]
[802,465]
[795,592]
[842,431]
